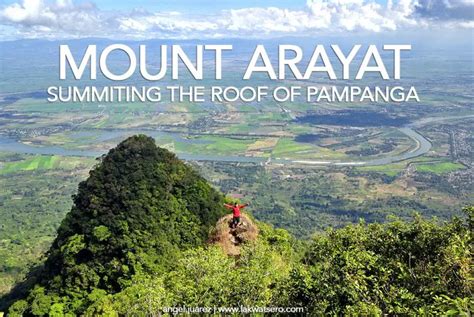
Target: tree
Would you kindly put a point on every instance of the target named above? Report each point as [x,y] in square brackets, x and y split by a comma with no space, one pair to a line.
[140,207]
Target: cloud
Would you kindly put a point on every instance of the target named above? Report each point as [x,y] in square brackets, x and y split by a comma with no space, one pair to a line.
[67,19]
[446,9]
[47,19]
[353,15]
[172,23]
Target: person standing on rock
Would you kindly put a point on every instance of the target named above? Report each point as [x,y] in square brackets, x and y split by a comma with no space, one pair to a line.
[235,213]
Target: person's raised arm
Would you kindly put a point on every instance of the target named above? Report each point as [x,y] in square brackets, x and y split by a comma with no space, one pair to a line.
[244,205]
[228,206]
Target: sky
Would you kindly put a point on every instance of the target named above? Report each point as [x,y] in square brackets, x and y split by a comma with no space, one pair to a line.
[189,5]
[191,19]
[193,5]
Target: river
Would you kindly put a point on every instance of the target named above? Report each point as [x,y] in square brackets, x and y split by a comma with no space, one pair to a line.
[421,146]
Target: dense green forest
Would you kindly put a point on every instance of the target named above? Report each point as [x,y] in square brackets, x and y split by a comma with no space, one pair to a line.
[136,241]
[308,200]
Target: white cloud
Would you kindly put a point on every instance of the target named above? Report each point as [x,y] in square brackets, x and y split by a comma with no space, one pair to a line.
[61,18]
[158,22]
[352,15]
[64,18]
[31,12]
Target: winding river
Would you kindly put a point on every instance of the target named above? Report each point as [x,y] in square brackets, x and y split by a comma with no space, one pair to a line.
[421,146]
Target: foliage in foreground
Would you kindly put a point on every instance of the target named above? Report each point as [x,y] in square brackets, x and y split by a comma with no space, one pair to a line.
[134,243]
[400,268]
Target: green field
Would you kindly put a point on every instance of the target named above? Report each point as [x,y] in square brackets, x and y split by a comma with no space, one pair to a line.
[30,164]
[215,145]
[439,168]
[388,169]
[287,147]
[43,162]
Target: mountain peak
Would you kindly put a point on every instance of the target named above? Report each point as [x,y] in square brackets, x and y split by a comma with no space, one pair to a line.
[139,207]
[231,239]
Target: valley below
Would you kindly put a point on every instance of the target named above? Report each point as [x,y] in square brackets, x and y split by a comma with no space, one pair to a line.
[304,166]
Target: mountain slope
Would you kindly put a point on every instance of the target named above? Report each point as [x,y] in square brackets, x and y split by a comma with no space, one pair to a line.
[134,244]
[137,210]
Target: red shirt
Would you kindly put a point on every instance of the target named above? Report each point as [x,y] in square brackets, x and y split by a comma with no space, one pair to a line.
[236,209]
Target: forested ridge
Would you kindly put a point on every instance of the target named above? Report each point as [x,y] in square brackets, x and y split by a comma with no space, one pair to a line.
[136,241]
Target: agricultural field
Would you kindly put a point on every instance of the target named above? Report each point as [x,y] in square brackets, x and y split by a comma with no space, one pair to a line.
[305,166]
[439,167]
[43,163]
[39,162]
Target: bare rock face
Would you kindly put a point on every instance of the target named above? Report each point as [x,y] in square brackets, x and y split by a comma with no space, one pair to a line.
[231,239]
